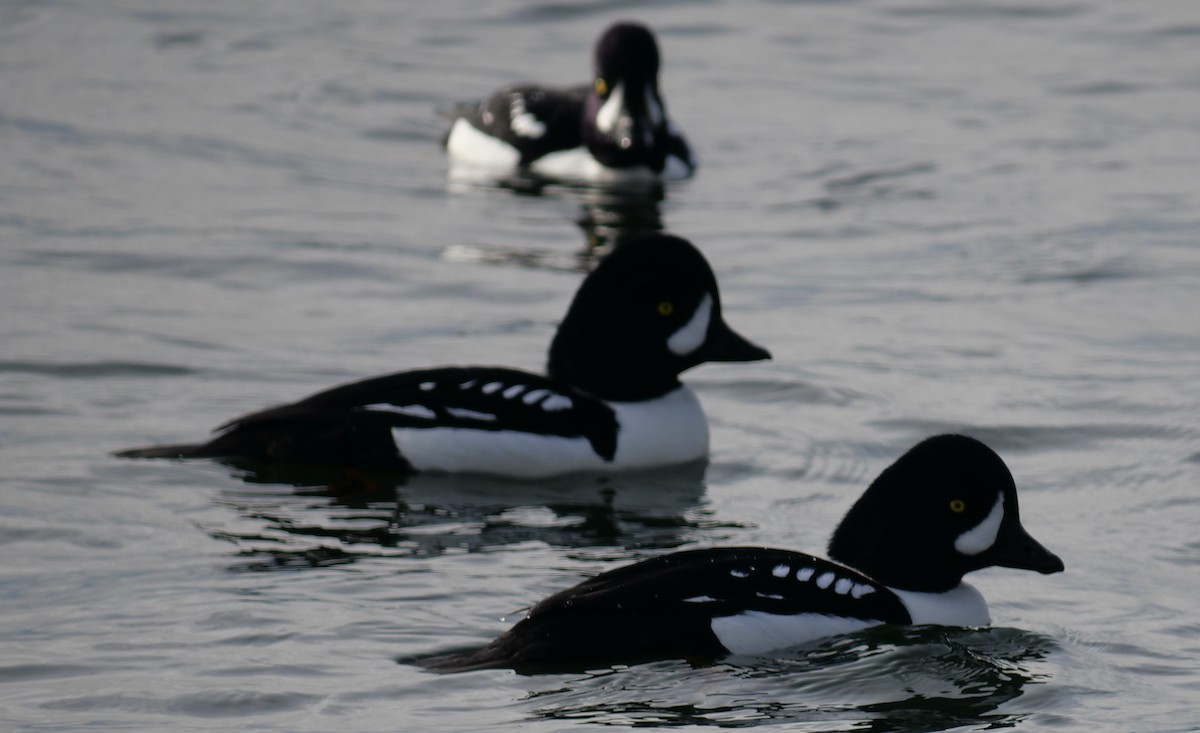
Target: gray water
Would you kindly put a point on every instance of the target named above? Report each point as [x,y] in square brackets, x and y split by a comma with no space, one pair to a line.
[939,215]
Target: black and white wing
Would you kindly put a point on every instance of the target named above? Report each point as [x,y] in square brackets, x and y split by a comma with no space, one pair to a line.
[665,607]
[534,120]
[479,398]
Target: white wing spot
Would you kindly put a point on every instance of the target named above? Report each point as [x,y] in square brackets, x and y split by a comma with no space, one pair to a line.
[426,386]
[513,391]
[860,589]
[771,596]
[467,384]
[557,403]
[739,573]
[804,574]
[491,387]
[534,396]
[522,121]
[843,586]
[699,599]
[780,571]
[825,580]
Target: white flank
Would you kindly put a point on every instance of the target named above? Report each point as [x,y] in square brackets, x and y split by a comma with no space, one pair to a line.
[983,535]
[758,632]
[666,431]
[691,335]
[577,164]
[961,606]
[470,146]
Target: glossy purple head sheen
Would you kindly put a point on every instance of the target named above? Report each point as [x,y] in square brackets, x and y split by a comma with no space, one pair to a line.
[946,507]
[648,312]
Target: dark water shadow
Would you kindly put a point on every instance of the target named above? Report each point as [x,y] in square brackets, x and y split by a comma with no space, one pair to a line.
[882,679]
[316,517]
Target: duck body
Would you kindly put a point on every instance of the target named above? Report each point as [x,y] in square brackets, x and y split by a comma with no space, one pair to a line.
[611,398]
[960,515]
[614,130]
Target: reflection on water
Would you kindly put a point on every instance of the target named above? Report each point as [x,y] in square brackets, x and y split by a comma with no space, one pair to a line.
[606,217]
[887,678]
[301,517]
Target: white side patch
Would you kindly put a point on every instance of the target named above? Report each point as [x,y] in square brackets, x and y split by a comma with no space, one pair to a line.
[497,452]
[757,632]
[983,535]
[577,164]
[961,606]
[661,432]
[467,145]
[691,335]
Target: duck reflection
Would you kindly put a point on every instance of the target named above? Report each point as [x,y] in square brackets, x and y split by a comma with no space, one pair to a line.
[311,517]
[605,216]
[882,679]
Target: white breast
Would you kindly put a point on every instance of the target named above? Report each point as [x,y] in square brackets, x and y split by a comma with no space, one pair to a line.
[961,606]
[665,431]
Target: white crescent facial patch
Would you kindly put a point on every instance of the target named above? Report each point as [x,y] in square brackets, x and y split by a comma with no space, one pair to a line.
[983,535]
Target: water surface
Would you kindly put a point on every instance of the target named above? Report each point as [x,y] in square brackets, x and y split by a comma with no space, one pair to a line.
[937,215]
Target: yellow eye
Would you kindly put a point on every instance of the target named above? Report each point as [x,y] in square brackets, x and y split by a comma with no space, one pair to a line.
[601,87]
[958,506]
[666,308]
